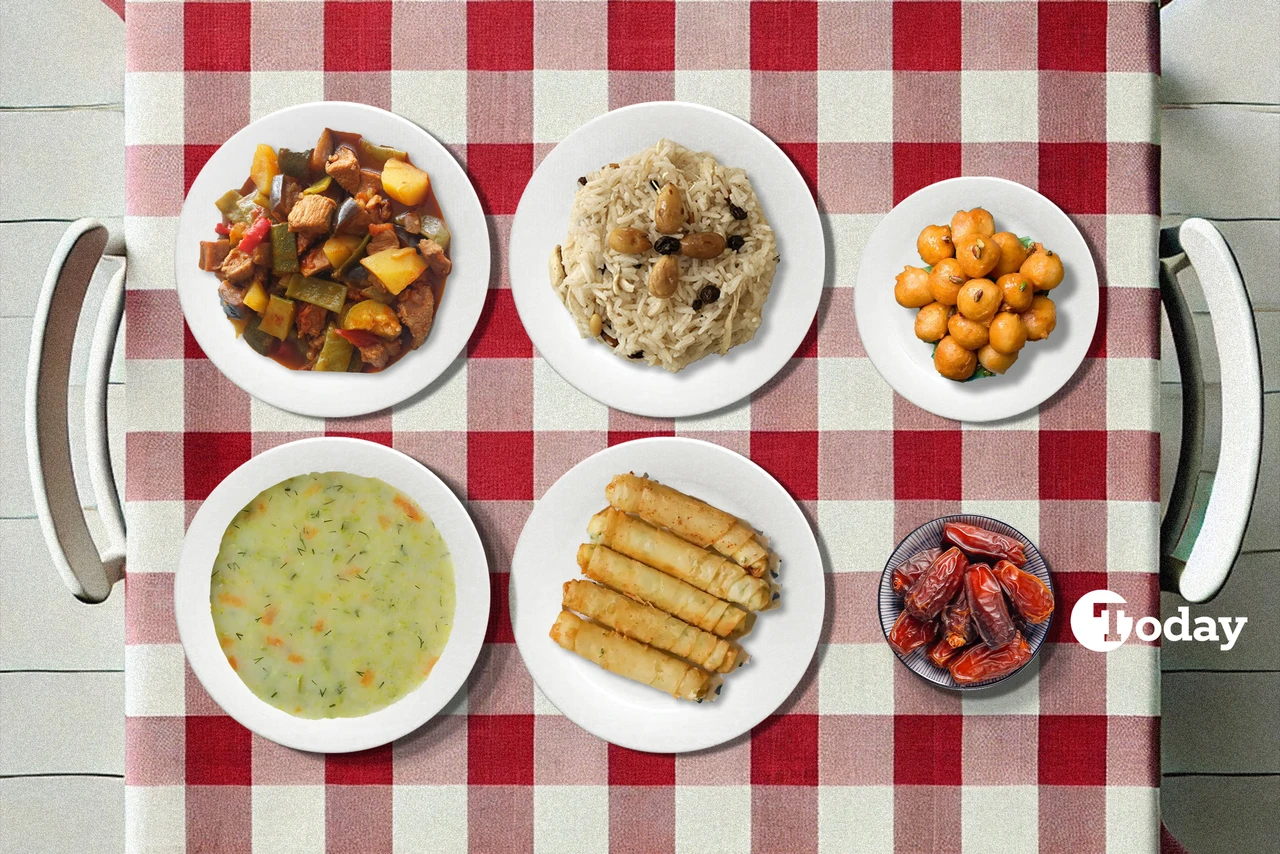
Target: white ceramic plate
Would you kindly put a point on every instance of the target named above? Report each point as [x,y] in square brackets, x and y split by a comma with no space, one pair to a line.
[906,362]
[331,394]
[623,712]
[195,620]
[542,221]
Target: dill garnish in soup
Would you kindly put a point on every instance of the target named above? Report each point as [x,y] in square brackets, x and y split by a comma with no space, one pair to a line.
[332,595]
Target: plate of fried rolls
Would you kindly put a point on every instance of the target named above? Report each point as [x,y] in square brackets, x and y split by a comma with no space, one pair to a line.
[667,594]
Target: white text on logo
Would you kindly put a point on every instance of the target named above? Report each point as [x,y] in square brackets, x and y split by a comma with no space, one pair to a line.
[1101,627]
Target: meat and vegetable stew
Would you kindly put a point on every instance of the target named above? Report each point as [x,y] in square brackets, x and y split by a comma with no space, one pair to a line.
[333,258]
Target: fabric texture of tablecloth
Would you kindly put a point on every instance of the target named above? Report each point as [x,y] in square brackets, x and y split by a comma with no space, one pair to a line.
[872,100]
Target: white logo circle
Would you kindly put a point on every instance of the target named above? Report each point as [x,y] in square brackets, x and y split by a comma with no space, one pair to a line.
[1091,628]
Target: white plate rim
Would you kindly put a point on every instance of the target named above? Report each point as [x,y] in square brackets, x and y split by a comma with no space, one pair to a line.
[192,583]
[714,382]
[803,579]
[993,398]
[319,394]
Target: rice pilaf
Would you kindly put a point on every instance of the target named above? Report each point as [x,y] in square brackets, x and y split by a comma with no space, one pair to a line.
[717,302]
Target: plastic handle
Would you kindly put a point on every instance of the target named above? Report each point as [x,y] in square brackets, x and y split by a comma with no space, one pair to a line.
[87,572]
[1212,513]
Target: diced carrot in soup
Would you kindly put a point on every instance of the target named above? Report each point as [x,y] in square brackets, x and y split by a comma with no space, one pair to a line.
[410,509]
[294,658]
[269,615]
[272,640]
[367,679]
[231,599]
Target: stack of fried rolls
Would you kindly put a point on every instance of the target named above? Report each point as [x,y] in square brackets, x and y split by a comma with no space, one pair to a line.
[673,581]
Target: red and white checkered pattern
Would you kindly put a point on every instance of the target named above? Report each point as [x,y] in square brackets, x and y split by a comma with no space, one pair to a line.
[872,100]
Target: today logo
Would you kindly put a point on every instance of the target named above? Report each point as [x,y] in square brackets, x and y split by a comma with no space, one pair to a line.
[1092,624]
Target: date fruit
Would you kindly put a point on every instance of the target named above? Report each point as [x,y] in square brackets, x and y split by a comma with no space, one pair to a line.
[909,634]
[1029,595]
[980,663]
[980,541]
[957,622]
[937,586]
[906,573]
[986,601]
[941,653]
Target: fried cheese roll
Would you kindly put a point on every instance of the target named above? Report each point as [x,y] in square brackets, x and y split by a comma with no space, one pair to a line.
[649,625]
[689,518]
[621,655]
[648,585]
[663,550]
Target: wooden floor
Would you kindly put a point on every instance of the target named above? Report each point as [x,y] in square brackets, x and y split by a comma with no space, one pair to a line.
[61,685]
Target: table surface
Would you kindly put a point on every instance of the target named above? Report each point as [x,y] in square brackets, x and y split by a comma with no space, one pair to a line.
[27,653]
[872,101]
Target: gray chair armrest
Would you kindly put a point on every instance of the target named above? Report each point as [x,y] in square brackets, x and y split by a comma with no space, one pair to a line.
[1205,521]
[87,572]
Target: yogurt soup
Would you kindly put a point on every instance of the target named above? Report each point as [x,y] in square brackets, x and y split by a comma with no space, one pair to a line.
[332,595]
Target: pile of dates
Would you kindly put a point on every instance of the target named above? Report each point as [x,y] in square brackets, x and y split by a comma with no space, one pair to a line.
[972,615]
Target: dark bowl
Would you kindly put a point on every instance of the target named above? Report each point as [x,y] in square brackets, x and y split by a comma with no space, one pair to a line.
[929,535]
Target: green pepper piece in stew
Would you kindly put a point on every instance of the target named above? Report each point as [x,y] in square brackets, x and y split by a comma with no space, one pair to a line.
[284,249]
[329,295]
[381,153]
[318,187]
[335,355]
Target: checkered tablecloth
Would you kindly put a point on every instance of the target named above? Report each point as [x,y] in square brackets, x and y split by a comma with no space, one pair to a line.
[872,100]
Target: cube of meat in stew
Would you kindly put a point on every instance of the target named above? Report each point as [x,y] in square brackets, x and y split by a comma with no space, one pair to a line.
[382,235]
[416,309]
[379,353]
[312,214]
[311,320]
[261,254]
[213,253]
[315,261]
[434,254]
[237,266]
[344,167]
[373,203]
[370,183]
